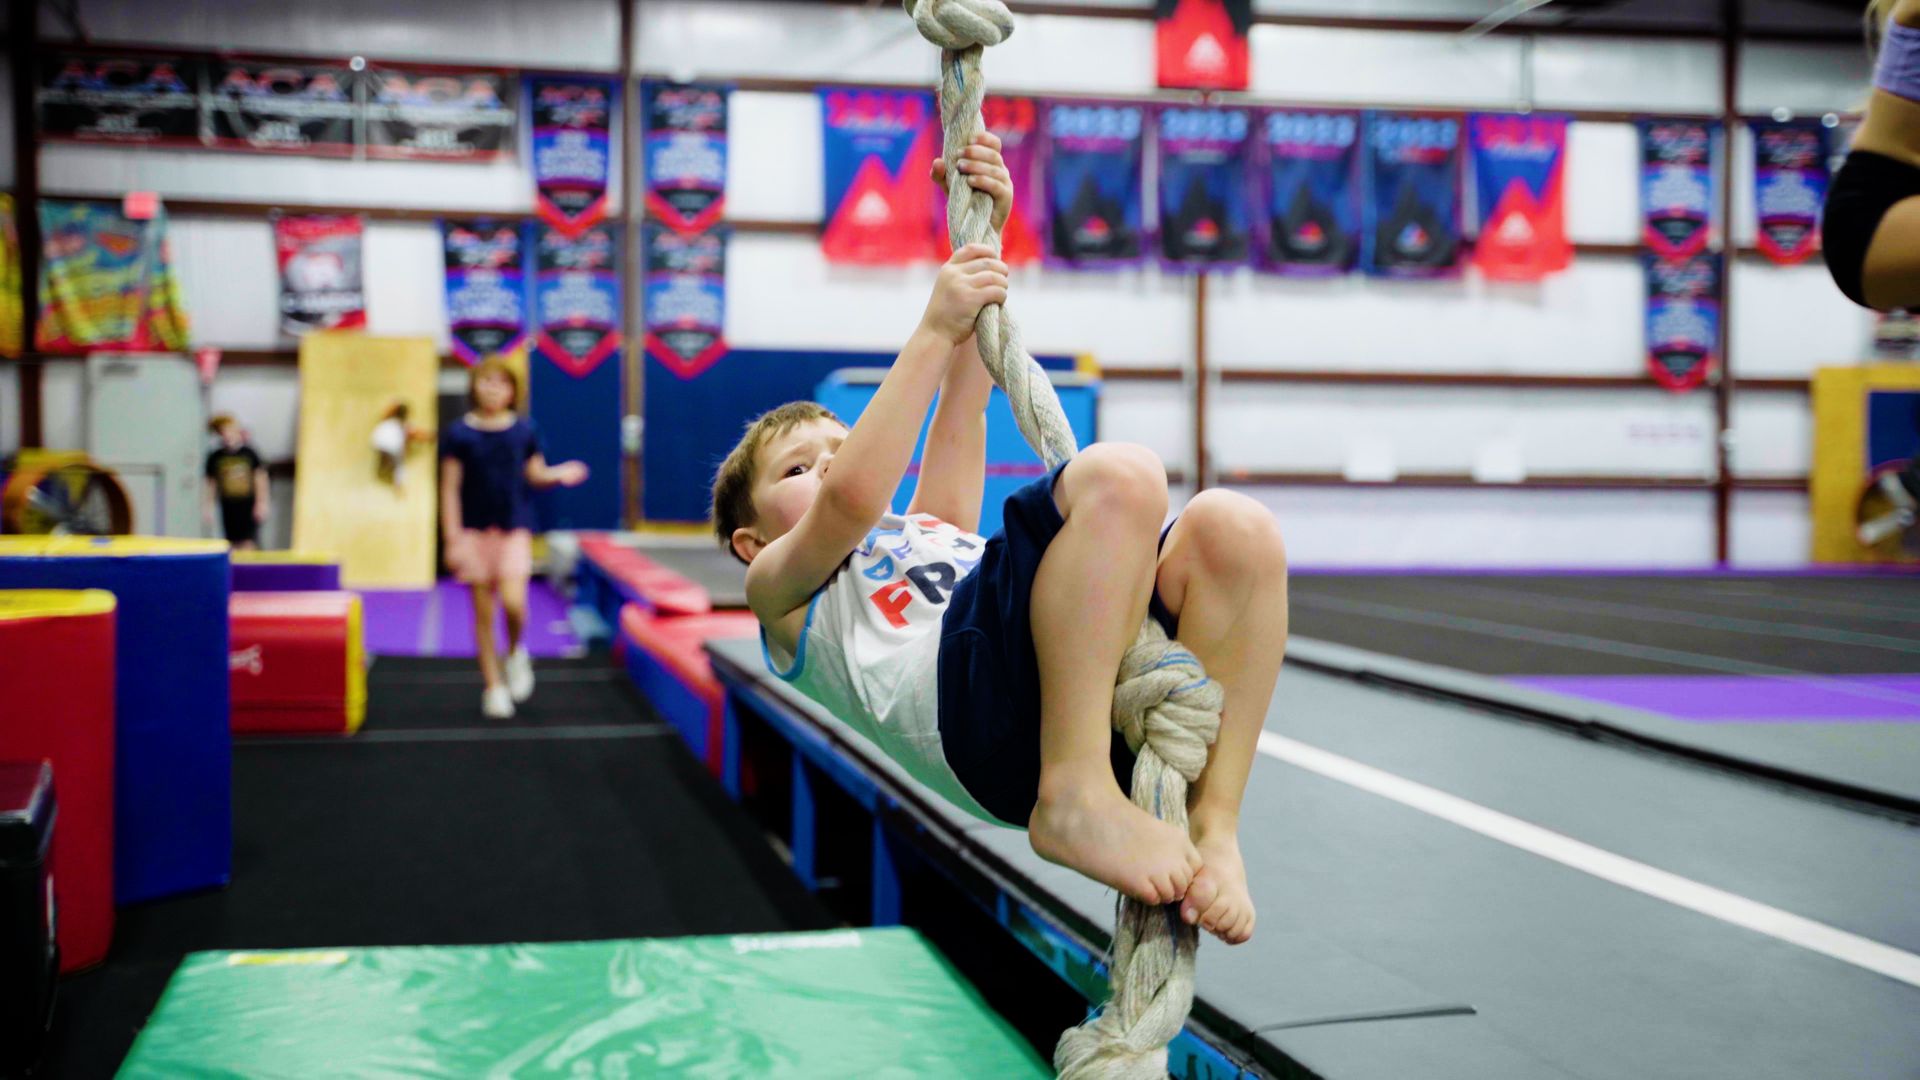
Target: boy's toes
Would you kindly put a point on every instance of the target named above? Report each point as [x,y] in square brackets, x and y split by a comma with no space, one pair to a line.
[1202,896]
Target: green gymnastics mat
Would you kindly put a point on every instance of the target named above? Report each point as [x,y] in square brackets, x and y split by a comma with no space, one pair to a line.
[879,1003]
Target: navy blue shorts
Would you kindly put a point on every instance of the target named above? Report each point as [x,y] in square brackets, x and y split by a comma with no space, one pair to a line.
[989,675]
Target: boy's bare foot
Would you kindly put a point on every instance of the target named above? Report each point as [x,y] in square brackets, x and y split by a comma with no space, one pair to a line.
[1218,900]
[1102,835]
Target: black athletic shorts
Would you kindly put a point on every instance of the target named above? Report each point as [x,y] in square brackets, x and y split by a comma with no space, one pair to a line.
[989,674]
[236,519]
[1866,187]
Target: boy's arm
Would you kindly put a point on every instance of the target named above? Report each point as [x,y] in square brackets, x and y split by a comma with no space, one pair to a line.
[262,492]
[858,485]
[953,469]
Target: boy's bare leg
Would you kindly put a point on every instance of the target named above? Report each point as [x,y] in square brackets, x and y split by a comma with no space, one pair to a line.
[1089,596]
[483,636]
[1224,574]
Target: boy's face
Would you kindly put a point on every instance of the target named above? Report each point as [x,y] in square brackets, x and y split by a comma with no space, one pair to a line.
[230,436]
[787,481]
[493,393]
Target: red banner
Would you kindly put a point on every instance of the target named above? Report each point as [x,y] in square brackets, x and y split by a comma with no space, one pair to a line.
[1202,44]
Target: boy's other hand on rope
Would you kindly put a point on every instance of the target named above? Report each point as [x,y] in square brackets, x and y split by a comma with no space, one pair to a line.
[985,171]
[969,281]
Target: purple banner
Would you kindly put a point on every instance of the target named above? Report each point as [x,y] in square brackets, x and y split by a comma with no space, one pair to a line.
[1309,219]
[1204,217]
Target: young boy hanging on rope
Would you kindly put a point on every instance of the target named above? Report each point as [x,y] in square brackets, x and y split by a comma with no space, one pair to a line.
[986,666]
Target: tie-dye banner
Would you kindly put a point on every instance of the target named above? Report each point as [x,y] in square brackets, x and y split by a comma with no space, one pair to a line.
[1204,217]
[1412,224]
[572,149]
[1093,183]
[878,146]
[1677,185]
[486,288]
[1307,175]
[1683,319]
[106,281]
[686,148]
[1789,187]
[1519,169]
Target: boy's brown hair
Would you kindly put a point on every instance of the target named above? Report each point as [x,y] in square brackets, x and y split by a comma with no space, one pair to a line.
[733,482]
[492,365]
[221,420]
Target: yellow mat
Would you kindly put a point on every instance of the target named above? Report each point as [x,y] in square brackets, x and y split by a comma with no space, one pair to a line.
[383,536]
[1840,454]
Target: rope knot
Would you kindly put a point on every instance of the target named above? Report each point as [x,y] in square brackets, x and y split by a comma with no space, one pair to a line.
[957,24]
[1165,702]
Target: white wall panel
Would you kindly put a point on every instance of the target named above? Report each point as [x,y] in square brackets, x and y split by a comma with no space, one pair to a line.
[1804,78]
[231,279]
[687,39]
[1770,529]
[1294,63]
[1772,434]
[1603,199]
[1626,73]
[9,409]
[1789,320]
[775,170]
[63,413]
[405,282]
[266,401]
[1157,415]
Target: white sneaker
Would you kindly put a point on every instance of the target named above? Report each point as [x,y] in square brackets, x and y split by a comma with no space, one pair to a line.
[520,674]
[496,703]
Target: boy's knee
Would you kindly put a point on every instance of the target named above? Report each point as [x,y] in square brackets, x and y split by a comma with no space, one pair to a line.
[1233,534]
[1119,480]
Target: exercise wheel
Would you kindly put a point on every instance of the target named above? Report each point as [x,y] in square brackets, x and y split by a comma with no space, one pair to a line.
[64,494]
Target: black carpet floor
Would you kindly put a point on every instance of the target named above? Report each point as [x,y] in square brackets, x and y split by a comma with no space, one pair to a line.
[1621,625]
[584,818]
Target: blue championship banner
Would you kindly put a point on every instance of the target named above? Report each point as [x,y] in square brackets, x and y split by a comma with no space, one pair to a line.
[1412,222]
[1676,185]
[686,308]
[1309,219]
[1683,319]
[686,148]
[572,135]
[1204,217]
[1789,187]
[1094,153]
[574,371]
[486,288]
[576,298]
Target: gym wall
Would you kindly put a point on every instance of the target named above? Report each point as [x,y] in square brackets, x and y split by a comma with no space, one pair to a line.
[782,294]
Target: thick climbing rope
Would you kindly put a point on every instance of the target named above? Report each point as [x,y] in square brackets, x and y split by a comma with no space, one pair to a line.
[1163,704]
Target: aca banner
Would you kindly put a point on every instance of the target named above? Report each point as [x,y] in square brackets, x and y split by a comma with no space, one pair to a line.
[319,272]
[572,141]
[686,308]
[12,337]
[438,114]
[1308,223]
[1201,44]
[576,298]
[1412,205]
[486,288]
[1204,217]
[878,146]
[1519,167]
[1789,187]
[1017,122]
[686,146]
[1676,185]
[125,99]
[1683,319]
[106,281]
[1093,183]
[281,107]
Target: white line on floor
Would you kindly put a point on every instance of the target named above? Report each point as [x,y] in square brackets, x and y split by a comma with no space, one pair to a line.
[1618,869]
[557,733]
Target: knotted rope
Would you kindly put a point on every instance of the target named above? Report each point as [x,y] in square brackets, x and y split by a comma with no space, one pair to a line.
[1163,704]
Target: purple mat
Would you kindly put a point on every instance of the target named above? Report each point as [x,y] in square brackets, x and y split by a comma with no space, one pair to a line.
[1810,571]
[440,622]
[1746,698]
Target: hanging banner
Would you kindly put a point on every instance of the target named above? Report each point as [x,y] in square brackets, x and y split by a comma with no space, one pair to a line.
[576,298]
[438,115]
[106,282]
[150,100]
[319,272]
[1201,44]
[1017,122]
[1093,183]
[281,107]
[1683,319]
[12,336]
[1204,217]
[1412,201]
[1306,171]
[1676,185]
[686,147]
[486,290]
[1519,169]
[1789,187]
[572,144]
[686,308]
[878,147]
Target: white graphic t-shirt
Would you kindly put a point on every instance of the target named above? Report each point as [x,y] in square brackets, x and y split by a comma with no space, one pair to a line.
[870,649]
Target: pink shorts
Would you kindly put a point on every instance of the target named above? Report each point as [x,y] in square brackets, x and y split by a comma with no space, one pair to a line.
[490,556]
